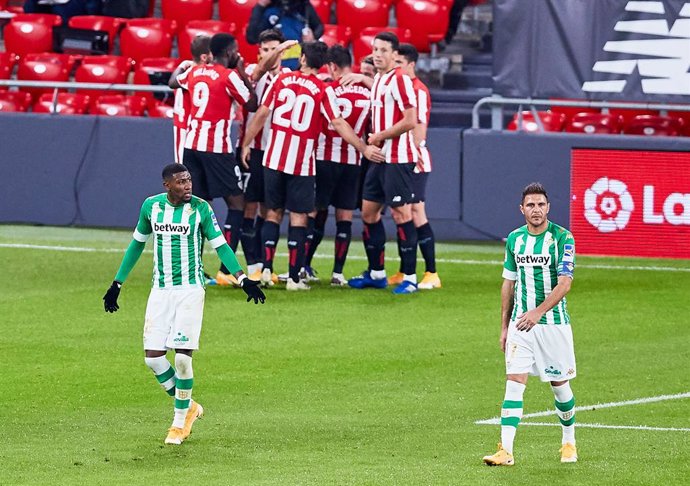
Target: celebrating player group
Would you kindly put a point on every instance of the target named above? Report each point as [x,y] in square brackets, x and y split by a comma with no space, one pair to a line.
[309,141]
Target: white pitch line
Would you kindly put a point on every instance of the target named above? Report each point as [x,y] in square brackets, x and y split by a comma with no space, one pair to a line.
[585,408]
[354,257]
[604,426]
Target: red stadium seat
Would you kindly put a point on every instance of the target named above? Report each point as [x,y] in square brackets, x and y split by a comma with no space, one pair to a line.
[102,69]
[552,121]
[156,109]
[44,67]
[182,11]
[361,45]
[336,34]
[591,123]
[67,104]
[684,118]
[323,9]
[7,63]
[427,20]
[249,52]
[29,33]
[120,105]
[111,25]
[150,66]
[653,125]
[200,27]
[570,111]
[361,14]
[237,11]
[14,101]
[628,115]
[142,38]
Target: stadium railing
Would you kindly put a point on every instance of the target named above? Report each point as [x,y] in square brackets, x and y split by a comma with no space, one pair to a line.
[497,103]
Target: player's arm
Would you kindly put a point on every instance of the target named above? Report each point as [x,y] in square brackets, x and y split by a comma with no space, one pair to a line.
[507,303]
[354,78]
[252,131]
[130,259]
[408,122]
[345,130]
[269,61]
[244,94]
[211,231]
[403,93]
[174,83]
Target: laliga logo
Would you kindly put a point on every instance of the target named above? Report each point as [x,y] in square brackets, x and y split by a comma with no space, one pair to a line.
[608,205]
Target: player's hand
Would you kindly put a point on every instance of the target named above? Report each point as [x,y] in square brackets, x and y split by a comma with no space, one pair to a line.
[502,340]
[528,320]
[351,78]
[110,297]
[253,291]
[375,139]
[374,154]
[244,157]
[284,46]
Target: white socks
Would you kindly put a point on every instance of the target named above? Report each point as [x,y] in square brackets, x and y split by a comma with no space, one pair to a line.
[511,413]
[565,409]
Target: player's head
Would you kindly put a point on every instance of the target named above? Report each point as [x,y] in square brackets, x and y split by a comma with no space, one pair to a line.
[269,40]
[224,49]
[535,204]
[339,60]
[406,58]
[178,182]
[383,51]
[201,49]
[366,66]
[314,54]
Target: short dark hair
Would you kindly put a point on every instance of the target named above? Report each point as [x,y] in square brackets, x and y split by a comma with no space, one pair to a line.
[200,45]
[367,60]
[172,169]
[534,188]
[269,35]
[340,56]
[409,52]
[316,53]
[389,37]
[220,43]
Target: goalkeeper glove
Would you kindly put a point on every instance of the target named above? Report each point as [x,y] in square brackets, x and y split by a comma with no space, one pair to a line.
[110,297]
[252,289]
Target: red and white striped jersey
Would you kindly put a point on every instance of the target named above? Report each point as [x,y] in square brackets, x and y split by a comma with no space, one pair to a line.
[423,111]
[182,102]
[354,102]
[260,142]
[299,102]
[392,94]
[213,89]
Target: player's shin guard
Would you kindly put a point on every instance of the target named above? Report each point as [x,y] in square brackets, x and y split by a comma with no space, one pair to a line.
[427,246]
[270,234]
[511,413]
[316,235]
[297,236]
[247,240]
[231,231]
[183,388]
[374,237]
[164,372]
[407,248]
[343,236]
[565,409]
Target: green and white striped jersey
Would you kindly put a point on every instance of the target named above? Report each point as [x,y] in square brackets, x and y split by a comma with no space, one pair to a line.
[535,262]
[178,233]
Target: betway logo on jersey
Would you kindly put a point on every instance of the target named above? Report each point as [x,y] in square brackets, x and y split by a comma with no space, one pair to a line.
[171,229]
[631,203]
[661,54]
[529,260]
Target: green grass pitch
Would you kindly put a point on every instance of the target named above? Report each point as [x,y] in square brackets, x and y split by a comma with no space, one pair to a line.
[334,386]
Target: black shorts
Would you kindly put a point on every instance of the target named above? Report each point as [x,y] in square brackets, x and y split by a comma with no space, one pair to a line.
[419,180]
[286,191]
[213,175]
[254,177]
[389,184]
[337,185]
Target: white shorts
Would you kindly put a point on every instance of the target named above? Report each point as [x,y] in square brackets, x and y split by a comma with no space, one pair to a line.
[179,136]
[545,351]
[173,318]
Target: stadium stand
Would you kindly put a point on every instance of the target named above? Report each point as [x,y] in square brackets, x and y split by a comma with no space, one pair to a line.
[150,68]
[149,37]
[194,28]
[323,9]
[156,109]
[183,11]
[653,125]
[102,69]
[628,115]
[7,62]
[336,34]
[551,122]
[44,67]
[30,33]
[237,11]
[14,101]
[594,123]
[111,25]
[427,20]
[360,14]
[120,105]
[361,45]
[67,104]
